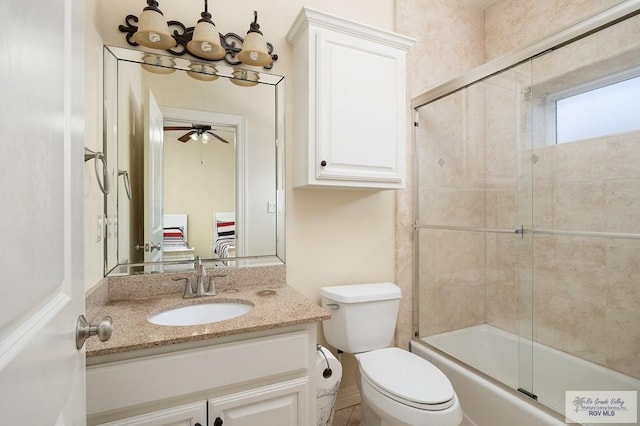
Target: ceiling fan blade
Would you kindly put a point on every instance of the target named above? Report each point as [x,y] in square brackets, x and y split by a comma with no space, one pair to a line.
[178,127]
[186,137]
[221,139]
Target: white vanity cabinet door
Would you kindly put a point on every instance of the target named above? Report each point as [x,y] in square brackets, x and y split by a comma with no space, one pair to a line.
[350,93]
[280,404]
[184,415]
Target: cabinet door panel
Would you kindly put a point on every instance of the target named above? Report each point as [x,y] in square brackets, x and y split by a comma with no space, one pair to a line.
[358,99]
[184,415]
[360,93]
[281,404]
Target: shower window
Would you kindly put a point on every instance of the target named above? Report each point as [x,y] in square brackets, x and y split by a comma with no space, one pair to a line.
[601,108]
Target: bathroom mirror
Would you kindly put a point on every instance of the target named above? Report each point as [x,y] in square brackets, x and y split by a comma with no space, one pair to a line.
[195,152]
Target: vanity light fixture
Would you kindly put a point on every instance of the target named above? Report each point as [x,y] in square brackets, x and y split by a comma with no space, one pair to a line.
[203,41]
[254,50]
[153,30]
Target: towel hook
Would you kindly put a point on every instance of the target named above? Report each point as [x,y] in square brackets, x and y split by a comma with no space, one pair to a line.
[127,182]
[104,182]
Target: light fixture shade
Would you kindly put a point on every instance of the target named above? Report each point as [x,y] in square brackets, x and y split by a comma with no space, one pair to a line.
[203,72]
[205,42]
[254,48]
[244,78]
[153,30]
[158,64]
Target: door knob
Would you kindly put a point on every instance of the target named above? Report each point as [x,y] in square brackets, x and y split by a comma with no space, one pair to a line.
[84,330]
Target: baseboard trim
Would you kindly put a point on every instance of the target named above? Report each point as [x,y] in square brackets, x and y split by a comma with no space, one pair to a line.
[347,397]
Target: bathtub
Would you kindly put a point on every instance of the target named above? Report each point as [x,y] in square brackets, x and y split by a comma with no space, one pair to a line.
[487,389]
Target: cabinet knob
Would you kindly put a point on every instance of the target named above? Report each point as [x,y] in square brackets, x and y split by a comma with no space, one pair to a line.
[218,422]
[197,424]
[323,163]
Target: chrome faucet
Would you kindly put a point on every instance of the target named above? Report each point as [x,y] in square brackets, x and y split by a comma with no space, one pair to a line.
[201,277]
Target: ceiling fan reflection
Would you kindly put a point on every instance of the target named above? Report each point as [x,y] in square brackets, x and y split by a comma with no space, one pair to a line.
[196,132]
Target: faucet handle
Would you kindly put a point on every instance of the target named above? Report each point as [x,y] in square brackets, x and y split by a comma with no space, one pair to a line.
[211,290]
[188,289]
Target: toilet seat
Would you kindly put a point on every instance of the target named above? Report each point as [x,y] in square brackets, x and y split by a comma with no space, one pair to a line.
[406,378]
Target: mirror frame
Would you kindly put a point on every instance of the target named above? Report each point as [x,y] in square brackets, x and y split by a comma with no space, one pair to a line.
[112,57]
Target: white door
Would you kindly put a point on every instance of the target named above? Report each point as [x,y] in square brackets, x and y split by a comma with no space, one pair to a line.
[41,187]
[153,189]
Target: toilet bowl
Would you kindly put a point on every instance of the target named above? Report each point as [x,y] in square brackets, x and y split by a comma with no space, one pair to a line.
[400,388]
[396,387]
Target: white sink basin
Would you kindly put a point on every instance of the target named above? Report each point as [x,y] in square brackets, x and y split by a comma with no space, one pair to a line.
[203,313]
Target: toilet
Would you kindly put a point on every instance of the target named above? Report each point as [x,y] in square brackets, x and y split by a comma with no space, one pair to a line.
[396,387]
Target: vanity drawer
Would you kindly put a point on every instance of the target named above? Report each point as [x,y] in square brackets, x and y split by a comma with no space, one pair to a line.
[138,381]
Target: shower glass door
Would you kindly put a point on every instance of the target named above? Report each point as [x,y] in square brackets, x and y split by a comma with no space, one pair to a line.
[506,122]
[586,204]
[474,217]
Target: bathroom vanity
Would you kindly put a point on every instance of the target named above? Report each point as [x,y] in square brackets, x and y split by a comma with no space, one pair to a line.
[252,369]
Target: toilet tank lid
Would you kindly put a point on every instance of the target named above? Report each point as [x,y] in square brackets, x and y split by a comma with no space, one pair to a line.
[361,292]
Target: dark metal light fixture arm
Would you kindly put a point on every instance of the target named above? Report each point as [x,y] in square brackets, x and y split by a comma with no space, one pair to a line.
[231,42]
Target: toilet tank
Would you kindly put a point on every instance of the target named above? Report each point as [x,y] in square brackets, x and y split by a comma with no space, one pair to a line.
[363,316]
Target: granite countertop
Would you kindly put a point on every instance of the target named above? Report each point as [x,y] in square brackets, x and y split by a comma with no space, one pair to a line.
[274,306]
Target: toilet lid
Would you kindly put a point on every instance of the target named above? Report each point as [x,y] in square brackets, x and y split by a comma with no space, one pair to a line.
[407,378]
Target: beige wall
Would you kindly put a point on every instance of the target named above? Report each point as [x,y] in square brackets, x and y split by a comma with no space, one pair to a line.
[93,205]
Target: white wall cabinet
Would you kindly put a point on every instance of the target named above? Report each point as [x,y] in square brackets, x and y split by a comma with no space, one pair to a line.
[264,380]
[350,94]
